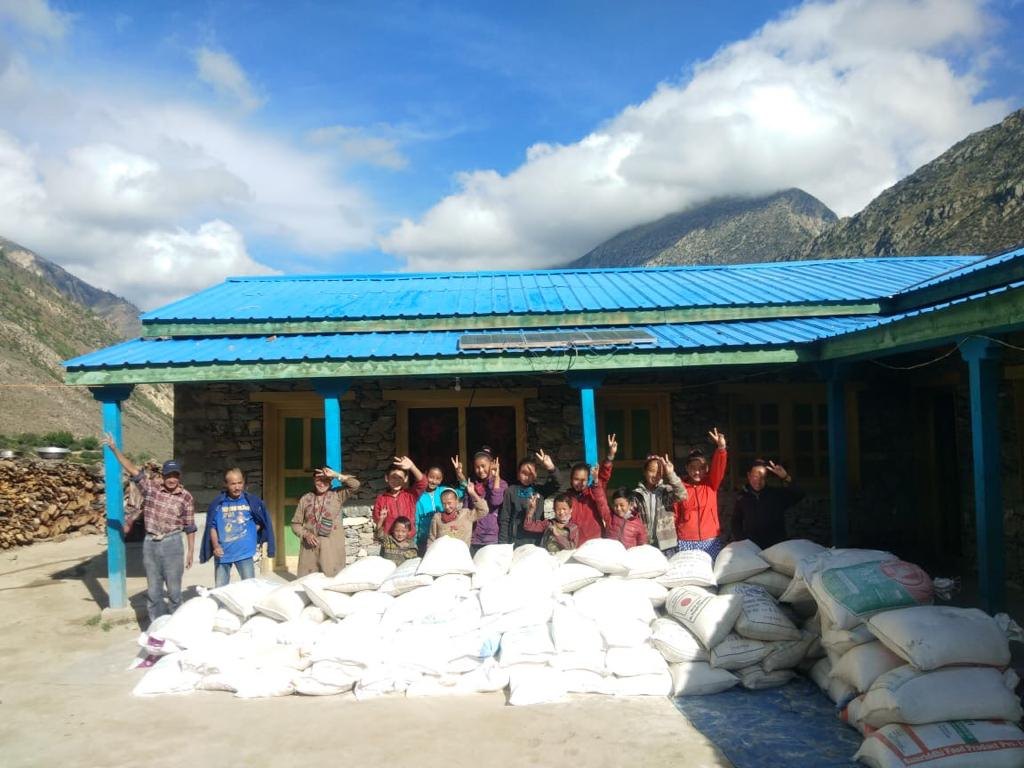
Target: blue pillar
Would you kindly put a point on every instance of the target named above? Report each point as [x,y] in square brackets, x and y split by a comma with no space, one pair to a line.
[586,384]
[110,399]
[332,391]
[983,365]
[839,490]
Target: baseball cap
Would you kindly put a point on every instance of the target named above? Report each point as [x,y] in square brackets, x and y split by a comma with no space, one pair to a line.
[171,468]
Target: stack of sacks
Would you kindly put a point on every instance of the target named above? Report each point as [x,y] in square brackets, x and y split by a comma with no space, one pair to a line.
[849,586]
[765,644]
[950,700]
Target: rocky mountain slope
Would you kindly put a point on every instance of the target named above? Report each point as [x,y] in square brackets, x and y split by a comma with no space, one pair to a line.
[724,231]
[41,325]
[970,199]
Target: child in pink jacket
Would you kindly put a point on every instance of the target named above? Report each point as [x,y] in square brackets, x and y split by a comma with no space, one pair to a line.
[627,521]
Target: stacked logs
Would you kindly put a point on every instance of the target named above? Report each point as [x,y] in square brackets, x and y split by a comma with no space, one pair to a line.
[45,499]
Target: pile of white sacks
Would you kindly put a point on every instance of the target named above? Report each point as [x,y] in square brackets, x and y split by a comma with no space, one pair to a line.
[606,620]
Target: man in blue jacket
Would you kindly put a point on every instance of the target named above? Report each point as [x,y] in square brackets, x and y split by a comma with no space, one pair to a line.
[236,524]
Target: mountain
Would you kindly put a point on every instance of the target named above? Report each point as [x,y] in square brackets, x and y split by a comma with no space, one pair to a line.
[723,231]
[121,314]
[970,199]
[41,324]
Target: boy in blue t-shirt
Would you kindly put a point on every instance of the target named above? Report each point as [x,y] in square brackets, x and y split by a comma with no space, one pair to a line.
[233,534]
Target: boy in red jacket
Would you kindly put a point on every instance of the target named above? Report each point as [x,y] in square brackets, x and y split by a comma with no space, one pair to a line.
[627,523]
[697,525]
[399,500]
[590,510]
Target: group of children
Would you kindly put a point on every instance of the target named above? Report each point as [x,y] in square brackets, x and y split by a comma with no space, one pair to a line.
[664,510]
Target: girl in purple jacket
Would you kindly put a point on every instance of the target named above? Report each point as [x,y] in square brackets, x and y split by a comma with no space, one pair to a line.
[491,488]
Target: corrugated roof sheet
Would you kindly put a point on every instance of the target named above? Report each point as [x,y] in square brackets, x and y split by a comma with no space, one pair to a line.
[358,346]
[463,294]
[985,262]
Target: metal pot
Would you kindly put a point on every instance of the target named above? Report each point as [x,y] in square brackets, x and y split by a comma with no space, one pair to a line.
[8,453]
[52,452]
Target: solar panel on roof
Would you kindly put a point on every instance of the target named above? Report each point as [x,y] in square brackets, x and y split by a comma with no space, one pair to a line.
[550,339]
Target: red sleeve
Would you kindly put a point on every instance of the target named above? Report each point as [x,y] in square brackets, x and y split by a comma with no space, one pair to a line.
[604,474]
[717,473]
[419,487]
[601,499]
[535,526]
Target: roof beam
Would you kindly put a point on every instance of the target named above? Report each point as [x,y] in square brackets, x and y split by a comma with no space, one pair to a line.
[475,364]
[153,329]
[998,312]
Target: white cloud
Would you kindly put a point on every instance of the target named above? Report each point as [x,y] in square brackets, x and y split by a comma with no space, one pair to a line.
[220,70]
[841,99]
[36,17]
[356,144]
[111,184]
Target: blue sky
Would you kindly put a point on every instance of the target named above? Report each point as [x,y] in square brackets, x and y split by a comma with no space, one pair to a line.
[153,149]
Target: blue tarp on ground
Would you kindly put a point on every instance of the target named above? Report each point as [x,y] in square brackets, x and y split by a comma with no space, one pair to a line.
[795,725]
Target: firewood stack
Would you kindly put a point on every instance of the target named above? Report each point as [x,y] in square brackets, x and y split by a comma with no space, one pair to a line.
[44,499]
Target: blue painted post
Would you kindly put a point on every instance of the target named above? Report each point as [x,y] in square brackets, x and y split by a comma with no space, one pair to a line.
[586,384]
[110,399]
[332,391]
[983,365]
[837,455]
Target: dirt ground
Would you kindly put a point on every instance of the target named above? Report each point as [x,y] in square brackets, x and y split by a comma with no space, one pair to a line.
[65,699]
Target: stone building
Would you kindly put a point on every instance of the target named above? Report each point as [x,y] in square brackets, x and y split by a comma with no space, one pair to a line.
[890,388]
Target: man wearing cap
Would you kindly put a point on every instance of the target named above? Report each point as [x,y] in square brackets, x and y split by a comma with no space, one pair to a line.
[167,511]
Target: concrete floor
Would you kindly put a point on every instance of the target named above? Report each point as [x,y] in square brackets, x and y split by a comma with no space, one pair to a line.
[65,699]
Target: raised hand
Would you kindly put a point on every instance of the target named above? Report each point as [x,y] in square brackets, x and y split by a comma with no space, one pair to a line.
[613,447]
[544,459]
[495,471]
[778,470]
[666,464]
[717,437]
[457,465]
[404,462]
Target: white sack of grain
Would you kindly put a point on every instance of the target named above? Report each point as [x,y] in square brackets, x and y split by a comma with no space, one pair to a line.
[761,617]
[675,642]
[905,695]
[365,573]
[190,625]
[690,568]
[739,560]
[607,555]
[698,678]
[709,617]
[932,636]
[785,555]
[849,594]
[491,562]
[735,652]
[241,596]
[405,579]
[861,666]
[958,744]
[447,554]
[644,562]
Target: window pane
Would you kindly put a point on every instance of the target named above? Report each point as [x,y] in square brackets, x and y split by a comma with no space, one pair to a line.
[804,442]
[615,423]
[434,439]
[769,413]
[745,414]
[805,466]
[641,440]
[747,440]
[317,443]
[494,426]
[770,441]
[803,414]
[293,443]
[291,541]
[294,487]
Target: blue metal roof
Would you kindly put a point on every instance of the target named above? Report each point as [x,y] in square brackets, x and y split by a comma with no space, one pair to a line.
[984,262]
[377,345]
[464,294]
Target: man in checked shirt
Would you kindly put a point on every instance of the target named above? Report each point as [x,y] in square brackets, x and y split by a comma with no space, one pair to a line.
[167,510]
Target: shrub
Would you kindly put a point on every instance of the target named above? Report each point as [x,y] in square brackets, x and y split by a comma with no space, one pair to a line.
[88,443]
[62,439]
